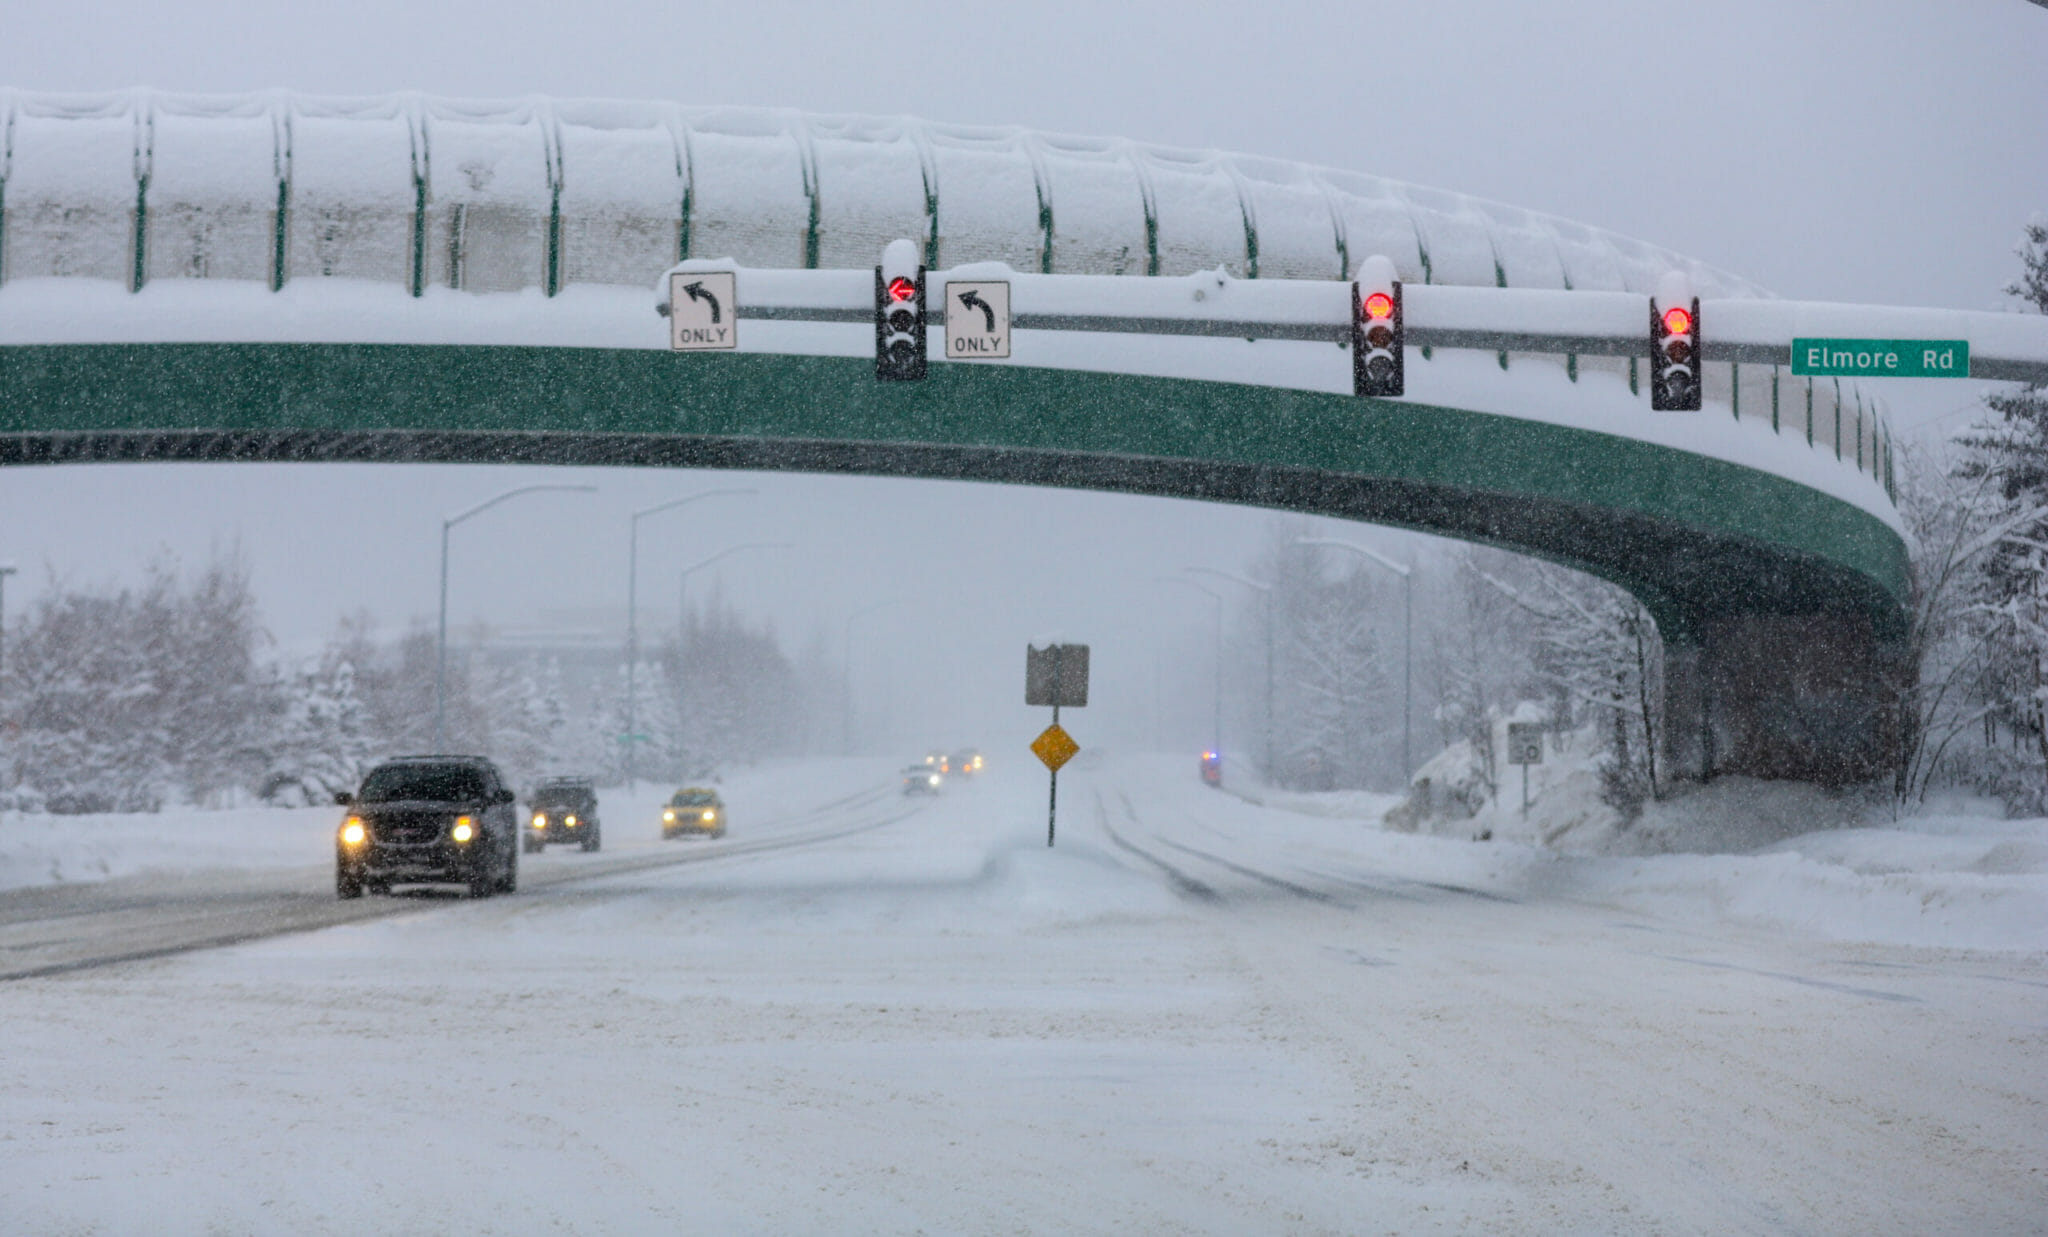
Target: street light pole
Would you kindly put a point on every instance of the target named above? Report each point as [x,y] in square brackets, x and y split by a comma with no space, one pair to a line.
[633,614]
[1407,574]
[5,571]
[1267,590]
[846,723]
[441,636]
[682,617]
[1216,724]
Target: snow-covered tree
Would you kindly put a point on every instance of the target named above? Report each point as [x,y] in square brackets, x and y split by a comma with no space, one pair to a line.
[2009,452]
[124,700]
[321,743]
[1597,652]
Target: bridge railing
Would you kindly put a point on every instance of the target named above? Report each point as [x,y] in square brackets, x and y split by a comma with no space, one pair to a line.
[1747,343]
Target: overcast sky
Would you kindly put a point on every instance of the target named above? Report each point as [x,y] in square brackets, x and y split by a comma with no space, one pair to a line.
[1885,152]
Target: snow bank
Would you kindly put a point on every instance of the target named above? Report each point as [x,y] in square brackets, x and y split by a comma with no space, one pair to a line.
[52,850]
[1778,855]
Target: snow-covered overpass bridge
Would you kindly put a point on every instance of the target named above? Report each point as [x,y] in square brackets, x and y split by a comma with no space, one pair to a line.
[281,278]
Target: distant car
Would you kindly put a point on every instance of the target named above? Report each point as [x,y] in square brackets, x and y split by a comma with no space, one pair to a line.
[428,820]
[696,810]
[967,762]
[1212,768]
[924,779]
[941,761]
[563,809]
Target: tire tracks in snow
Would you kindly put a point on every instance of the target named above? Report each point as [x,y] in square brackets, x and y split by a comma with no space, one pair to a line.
[1183,884]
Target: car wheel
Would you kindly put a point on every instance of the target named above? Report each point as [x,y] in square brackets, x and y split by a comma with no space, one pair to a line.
[483,880]
[347,883]
[532,847]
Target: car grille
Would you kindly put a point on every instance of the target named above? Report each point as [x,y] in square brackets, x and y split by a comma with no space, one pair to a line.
[408,828]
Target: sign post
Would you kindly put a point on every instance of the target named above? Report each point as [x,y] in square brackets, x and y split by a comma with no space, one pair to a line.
[1525,748]
[1055,675]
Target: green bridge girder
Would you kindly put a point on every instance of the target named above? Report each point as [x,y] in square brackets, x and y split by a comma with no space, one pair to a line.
[1696,538]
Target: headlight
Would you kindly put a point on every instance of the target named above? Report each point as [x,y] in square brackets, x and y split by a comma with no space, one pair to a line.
[669,816]
[465,829]
[934,779]
[540,820]
[569,821]
[710,815]
[352,833]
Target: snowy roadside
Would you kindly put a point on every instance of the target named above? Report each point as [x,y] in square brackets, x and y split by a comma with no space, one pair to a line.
[40,850]
[1738,851]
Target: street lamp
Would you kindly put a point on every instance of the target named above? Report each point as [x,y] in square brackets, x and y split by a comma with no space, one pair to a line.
[441,639]
[1407,574]
[682,615]
[6,569]
[633,613]
[1213,595]
[1266,589]
[846,725]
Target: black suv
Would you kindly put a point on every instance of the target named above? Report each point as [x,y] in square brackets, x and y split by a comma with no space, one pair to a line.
[563,809]
[428,819]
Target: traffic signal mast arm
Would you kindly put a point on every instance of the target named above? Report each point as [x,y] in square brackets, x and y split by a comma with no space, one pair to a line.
[2003,347]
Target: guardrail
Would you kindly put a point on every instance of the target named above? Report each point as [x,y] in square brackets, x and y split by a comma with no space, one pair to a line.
[2003,347]
[1571,325]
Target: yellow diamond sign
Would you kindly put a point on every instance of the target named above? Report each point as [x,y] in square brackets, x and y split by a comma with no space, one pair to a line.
[1055,747]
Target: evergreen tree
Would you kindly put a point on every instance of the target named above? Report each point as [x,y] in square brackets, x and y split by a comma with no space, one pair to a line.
[2010,451]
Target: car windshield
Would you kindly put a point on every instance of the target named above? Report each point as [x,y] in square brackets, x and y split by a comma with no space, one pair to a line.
[572,797]
[693,798]
[441,783]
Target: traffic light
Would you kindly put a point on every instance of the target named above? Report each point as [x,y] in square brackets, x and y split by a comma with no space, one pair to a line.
[1675,346]
[899,314]
[1376,333]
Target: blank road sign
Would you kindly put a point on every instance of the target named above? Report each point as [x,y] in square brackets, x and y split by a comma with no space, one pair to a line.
[1056,675]
[978,320]
[703,311]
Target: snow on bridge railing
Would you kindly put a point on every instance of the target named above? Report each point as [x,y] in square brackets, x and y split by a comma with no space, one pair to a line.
[1830,414]
[586,198]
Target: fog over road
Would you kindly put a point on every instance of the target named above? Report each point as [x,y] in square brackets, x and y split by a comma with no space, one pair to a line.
[863,1013]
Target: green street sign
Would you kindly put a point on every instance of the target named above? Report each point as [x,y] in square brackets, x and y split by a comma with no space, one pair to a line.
[1881,358]
[636,738]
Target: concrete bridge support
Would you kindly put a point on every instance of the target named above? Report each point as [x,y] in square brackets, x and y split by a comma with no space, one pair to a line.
[1803,697]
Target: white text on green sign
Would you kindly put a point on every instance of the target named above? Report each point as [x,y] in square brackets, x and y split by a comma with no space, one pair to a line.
[1881,358]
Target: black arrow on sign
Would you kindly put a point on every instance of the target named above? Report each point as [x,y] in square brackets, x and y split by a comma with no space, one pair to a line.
[971,299]
[696,292]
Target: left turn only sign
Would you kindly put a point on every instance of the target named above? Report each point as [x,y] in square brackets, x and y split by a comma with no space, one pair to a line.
[978,320]
[703,311]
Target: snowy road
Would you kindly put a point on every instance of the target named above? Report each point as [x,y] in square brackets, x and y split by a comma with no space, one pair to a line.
[1194,1015]
[58,929]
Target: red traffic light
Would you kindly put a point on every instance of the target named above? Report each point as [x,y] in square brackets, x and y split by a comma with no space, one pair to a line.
[901,289]
[1677,321]
[1379,306]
